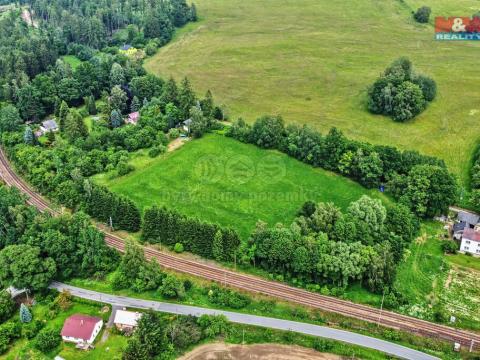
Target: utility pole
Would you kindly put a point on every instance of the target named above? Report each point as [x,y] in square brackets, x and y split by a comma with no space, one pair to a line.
[111,224]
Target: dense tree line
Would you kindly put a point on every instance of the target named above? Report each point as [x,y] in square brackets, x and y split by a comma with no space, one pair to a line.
[65,27]
[109,207]
[326,246]
[165,226]
[400,92]
[35,247]
[421,182]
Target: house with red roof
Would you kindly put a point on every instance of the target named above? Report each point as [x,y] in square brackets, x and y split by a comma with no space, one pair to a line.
[80,328]
[471,241]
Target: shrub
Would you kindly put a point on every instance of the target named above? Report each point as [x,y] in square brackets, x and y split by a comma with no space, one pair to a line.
[31,330]
[151,48]
[187,284]
[47,339]
[178,248]
[213,325]
[422,15]
[184,332]
[124,168]
[173,133]
[322,345]
[172,287]
[157,150]
[449,247]
[408,102]
[227,297]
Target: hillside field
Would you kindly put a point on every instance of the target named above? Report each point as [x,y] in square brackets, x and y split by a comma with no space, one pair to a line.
[312,61]
[234,184]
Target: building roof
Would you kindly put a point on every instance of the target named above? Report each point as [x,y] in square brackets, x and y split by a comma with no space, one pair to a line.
[471,234]
[126,47]
[468,217]
[129,318]
[459,226]
[49,125]
[134,116]
[188,122]
[80,326]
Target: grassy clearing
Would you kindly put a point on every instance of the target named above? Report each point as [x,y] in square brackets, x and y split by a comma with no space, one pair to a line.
[224,181]
[312,62]
[421,276]
[464,261]
[72,60]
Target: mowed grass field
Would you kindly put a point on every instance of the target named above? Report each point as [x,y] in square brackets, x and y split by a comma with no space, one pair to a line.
[233,184]
[313,60]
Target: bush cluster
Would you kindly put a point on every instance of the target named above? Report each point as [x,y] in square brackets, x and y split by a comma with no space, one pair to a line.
[400,92]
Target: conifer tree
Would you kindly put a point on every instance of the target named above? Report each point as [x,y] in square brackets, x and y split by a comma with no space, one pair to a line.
[62,116]
[25,315]
[136,105]
[208,106]
[217,246]
[75,128]
[186,98]
[115,119]
[28,136]
[92,107]
[170,93]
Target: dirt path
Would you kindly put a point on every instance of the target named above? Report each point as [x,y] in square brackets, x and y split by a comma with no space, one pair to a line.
[177,143]
[222,351]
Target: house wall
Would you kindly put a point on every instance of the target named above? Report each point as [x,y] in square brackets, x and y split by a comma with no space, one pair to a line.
[96,330]
[469,246]
[71,339]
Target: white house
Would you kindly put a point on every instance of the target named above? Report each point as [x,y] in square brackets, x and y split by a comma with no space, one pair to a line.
[126,320]
[48,126]
[81,329]
[471,241]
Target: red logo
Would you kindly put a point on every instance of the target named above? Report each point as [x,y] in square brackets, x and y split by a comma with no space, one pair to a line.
[457,25]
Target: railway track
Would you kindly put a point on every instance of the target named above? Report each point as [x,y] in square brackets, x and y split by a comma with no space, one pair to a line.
[261,286]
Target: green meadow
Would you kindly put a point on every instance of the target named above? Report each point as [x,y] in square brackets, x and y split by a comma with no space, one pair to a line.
[234,184]
[312,62]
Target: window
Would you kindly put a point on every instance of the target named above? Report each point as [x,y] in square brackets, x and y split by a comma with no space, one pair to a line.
[467,241]
[465,248]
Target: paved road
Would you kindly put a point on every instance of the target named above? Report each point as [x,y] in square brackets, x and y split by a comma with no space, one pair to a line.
[308,329]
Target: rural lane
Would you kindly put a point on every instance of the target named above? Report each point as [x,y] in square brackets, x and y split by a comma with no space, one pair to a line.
[246,319]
